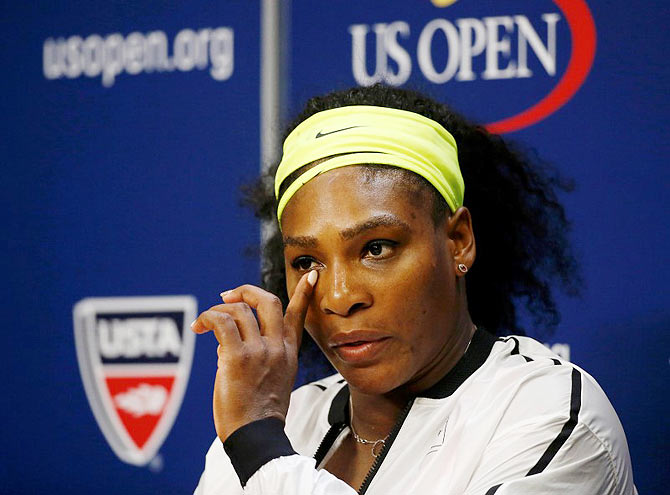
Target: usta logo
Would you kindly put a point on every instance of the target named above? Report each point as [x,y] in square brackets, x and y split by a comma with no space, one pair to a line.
[134,356]
[135,337]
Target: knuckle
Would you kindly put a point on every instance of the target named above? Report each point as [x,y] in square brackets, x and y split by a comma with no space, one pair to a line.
[274,301]
[238,308]
[225,319]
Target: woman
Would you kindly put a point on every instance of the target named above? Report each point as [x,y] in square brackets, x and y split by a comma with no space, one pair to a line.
[376,246]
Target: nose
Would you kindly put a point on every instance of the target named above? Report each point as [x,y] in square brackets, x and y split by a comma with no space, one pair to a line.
[342,292]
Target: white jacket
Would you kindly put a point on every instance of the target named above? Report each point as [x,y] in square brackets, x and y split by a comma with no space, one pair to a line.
[510,418]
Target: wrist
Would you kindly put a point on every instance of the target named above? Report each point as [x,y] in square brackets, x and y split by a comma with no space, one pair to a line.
[255,444]
[230,427]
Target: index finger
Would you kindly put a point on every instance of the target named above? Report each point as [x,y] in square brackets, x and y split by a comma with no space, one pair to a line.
[268,307]
[296,311]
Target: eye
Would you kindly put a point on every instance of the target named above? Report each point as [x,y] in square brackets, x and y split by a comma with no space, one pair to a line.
[379,248]
[304,263]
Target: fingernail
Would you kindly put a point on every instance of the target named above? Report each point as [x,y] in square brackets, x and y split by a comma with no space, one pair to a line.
[225,293]
[193,323]
[311,278]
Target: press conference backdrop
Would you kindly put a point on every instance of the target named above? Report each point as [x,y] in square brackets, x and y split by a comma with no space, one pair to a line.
[130,126]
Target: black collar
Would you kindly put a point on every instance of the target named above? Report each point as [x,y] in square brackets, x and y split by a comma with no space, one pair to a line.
[477,353]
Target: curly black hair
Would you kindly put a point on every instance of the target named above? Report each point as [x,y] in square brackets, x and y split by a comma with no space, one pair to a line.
[523,251]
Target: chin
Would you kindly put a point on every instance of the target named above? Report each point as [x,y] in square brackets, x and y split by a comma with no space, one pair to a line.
[369,380]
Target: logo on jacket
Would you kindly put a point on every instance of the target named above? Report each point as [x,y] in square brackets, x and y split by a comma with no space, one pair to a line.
[135,358]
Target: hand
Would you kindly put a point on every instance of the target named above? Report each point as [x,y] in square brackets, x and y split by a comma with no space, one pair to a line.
[258,359]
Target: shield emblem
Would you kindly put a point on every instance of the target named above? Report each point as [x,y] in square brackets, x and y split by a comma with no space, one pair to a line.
[135,357]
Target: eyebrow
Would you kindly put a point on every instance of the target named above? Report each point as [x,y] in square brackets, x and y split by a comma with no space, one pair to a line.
[351,232]
[303,241]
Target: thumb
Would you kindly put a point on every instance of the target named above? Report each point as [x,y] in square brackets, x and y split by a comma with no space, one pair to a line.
[296,311]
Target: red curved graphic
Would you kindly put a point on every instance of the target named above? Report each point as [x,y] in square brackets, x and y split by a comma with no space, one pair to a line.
[583,33]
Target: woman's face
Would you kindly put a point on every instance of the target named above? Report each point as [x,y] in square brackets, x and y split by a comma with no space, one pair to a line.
[387,305]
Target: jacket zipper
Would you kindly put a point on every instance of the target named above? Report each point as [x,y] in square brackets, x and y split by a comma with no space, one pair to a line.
[328,440]
[387,445]
[335,430]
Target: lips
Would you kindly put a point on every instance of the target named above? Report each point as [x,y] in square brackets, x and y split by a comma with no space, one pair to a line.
[358,346]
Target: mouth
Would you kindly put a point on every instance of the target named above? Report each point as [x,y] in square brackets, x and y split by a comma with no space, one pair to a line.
[359,346]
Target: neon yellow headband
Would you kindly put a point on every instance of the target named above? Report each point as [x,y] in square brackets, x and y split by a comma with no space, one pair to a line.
[367,134]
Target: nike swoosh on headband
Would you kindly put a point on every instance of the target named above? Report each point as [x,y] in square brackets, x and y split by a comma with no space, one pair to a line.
[321,134]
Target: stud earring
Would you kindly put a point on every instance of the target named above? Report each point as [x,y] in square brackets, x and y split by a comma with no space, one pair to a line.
[462,268]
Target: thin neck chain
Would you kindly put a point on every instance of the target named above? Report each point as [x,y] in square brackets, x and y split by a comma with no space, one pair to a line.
[377,445]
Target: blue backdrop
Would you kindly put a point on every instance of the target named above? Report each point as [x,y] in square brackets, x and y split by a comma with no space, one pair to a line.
[122,179]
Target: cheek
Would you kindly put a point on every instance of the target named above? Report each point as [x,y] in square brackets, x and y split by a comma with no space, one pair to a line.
[421,280]
[311,322]
[422,298]
[312,327]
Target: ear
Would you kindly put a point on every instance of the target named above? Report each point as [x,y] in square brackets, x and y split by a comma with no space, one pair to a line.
[461,239]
